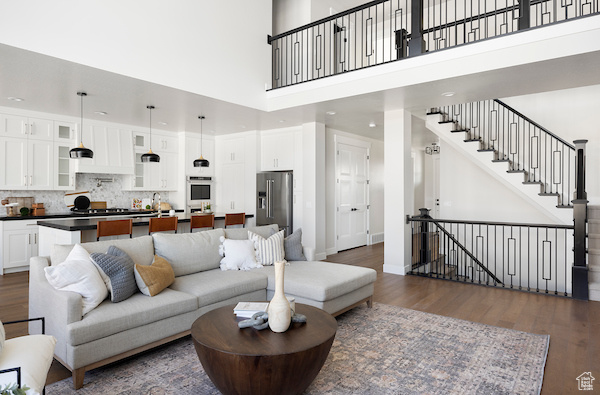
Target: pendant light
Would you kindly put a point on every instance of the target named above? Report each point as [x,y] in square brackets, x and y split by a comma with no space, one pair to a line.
[201,162]
[81,151]
[150,156]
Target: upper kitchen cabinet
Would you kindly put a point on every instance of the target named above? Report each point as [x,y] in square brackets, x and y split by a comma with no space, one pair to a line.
[141,141]
[231,150]
[193,151]
[25,127]
[26,163]
[64,167]
[162,142]
[64,131]
[113,150]
[277,150]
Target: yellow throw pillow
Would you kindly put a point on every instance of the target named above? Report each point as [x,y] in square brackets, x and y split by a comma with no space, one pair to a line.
[151,280]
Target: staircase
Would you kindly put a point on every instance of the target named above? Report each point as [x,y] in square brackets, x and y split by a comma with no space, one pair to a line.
[519,153]
[594,252]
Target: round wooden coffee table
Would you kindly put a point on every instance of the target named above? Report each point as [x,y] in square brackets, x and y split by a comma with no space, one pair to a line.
[248,361]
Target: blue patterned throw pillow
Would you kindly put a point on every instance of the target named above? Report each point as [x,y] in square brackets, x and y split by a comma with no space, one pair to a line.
[116,268]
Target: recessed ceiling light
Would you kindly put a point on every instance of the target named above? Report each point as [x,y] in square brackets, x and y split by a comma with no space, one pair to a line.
[372,124]
[330,113]
[281,120]
[162,123]
[15,98]
[448,94]
[103,113]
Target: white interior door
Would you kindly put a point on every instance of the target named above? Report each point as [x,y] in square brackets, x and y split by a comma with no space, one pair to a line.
[432,185]
[352,169]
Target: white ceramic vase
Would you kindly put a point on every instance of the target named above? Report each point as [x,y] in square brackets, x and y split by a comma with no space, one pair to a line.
[280,315]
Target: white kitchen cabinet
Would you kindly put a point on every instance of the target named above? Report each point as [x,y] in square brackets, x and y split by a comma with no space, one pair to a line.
[232,187]
[141,141]
[19,244]
[26,163]
[19,126]
[113,150]
[192,152]
[165,142]
[65,132]
[64,173]
[277,151]
[231,150]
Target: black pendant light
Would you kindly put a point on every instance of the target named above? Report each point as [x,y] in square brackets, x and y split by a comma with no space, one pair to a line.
[150,156]
[201,162]
[81,151]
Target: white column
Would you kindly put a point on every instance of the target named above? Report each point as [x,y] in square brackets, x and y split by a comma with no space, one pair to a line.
[313,194]
[398,192]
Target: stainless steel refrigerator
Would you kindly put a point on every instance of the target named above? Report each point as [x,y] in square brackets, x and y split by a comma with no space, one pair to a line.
[274,200]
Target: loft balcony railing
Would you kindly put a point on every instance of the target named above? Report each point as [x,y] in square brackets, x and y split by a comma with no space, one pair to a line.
[384,31]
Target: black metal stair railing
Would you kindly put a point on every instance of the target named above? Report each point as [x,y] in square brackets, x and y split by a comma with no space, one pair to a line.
[527,257]
[542,157]
[384,31]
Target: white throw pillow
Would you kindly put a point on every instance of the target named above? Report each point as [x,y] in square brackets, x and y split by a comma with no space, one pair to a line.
[34,355]
[2,337]
[268,251]
[238,254]
[78,274]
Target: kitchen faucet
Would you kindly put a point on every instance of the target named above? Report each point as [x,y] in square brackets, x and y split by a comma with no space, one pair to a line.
[159,204]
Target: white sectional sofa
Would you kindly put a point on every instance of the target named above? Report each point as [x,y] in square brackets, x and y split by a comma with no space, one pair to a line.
[113,331]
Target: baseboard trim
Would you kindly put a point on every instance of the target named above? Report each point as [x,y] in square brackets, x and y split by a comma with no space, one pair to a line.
[331,251]
[320,256]
[393,269]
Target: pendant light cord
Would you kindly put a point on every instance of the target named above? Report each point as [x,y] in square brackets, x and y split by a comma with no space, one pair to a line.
[201,119]
[150,108]
[81,133]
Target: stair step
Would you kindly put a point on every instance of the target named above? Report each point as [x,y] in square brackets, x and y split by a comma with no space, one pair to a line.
[472,141]
[500,160]
[533,182]
[549,194]
[460,130]
[564,206]
[449,121]
[515,171]
[434,113]
[486,150]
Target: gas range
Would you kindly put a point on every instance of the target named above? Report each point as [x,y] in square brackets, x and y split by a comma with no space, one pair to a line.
[101,211]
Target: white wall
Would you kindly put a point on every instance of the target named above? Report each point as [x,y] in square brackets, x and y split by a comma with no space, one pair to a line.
[571,114]
[290,14]
[467,192]
[197,46]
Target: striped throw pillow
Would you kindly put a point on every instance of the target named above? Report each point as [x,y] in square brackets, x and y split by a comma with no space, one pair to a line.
[268,251]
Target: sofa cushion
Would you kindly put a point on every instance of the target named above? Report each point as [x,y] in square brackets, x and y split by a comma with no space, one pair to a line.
[214,286]
[237,254]
[268,250]
[110,318]
[321,281]
[242,233]
[78,274]
[116,269]
[293,246]
[140,249]
[151,280]
[189,252]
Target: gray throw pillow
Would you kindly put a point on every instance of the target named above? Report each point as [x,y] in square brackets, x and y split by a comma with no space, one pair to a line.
[293,246]
[116,268]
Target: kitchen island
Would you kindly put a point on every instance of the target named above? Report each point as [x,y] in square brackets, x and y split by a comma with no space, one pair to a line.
[82,230]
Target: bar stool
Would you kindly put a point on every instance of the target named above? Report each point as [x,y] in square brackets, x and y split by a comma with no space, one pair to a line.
[202,221]
[235,219]
[114,228]
[162,224]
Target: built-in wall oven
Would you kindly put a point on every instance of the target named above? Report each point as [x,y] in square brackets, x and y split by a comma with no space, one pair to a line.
[199,193]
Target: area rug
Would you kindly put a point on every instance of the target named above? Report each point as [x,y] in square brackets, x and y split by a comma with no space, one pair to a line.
[383,350]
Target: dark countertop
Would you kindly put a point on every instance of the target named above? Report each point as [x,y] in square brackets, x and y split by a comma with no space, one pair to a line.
[71,214]
[74,224]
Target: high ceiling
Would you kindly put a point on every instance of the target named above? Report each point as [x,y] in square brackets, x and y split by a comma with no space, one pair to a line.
[50,84]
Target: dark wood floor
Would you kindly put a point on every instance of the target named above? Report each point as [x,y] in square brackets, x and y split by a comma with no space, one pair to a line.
[573,326]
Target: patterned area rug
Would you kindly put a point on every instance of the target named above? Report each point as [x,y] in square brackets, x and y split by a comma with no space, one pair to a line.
[383,350]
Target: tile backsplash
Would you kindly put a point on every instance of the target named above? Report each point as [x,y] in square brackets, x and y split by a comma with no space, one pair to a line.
[110,192]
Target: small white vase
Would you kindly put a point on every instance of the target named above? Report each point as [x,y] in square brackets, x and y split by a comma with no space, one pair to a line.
[280,315]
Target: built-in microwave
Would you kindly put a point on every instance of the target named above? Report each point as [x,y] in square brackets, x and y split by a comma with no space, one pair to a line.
[199,192]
